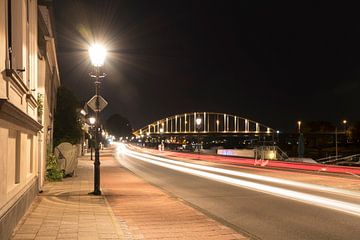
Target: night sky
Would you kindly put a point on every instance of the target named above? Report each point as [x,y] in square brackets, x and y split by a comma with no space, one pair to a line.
[274,63]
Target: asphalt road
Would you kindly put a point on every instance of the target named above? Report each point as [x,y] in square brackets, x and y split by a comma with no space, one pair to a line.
[294,212]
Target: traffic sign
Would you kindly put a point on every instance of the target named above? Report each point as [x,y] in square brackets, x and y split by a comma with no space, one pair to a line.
[102,103]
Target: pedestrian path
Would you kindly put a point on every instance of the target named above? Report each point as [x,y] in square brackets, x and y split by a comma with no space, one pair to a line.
[129,208]
[151,213]
[65,210]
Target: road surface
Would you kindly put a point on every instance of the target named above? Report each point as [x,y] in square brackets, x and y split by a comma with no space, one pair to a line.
[260,206]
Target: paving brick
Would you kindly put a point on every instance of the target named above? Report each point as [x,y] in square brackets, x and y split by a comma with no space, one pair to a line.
[45,238]
[145,209]
[129,209]
[65,211]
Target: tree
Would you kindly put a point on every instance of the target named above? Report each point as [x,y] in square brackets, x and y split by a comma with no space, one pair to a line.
[118,126]
[318,127]
[318,133]
[67,125]
[353,132]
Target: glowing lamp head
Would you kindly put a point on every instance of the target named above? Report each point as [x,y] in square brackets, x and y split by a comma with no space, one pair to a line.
[198,121]
[97,55]
[344,121]
[83,112]
[92,120]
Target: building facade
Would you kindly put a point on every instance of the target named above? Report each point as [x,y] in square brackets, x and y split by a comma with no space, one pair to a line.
[48,82]
[25,110]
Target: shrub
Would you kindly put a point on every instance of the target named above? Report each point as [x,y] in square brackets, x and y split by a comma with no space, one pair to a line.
[53,172]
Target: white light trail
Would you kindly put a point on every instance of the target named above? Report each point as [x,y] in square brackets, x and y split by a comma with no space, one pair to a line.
[350,208]
[254,176]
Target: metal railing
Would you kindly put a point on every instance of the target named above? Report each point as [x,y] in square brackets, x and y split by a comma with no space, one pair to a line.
[270,153]
[329,159]
[341,160]
[349,160]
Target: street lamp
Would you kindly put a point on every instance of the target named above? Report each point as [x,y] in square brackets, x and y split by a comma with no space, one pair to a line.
[92,121]
[97,55]
[161,138]
[345,122]
[198,125]
[299,126]
[83,112]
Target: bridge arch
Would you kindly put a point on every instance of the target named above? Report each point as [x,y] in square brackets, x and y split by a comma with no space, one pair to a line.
[203,123]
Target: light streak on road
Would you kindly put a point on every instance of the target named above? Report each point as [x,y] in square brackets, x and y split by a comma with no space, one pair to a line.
[253,176]
[350,208]
[274,163]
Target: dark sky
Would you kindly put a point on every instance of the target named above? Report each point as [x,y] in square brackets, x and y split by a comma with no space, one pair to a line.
[274,63]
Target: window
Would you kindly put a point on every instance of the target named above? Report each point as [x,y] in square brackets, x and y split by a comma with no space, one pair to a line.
[17,37]
[29,154]
[13,157]
[28,53]
[9,33]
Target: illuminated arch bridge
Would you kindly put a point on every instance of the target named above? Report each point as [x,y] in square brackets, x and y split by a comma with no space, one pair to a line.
[204,123]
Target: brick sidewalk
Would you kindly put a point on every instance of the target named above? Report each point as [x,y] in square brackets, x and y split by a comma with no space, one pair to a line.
[150,213]
[132,209]
[65,211]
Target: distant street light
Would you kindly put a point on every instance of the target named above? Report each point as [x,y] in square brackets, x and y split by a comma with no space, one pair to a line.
[161,130]
[345,128]
[198,126]
[83,112]
[92,121]
[344,122]
[300,141]
[336,143]
[97,55]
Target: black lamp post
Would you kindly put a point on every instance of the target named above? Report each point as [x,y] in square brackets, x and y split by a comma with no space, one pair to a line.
[97,56]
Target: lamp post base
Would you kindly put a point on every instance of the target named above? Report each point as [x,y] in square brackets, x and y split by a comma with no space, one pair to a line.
[96,193]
